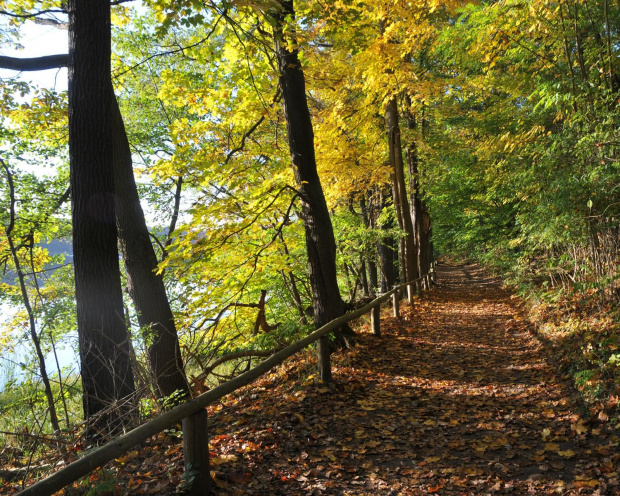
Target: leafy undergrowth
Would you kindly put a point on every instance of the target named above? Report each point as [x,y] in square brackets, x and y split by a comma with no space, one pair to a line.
[584,335]
[456,398]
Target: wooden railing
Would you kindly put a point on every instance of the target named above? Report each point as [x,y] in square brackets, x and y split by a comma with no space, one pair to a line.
[193,415]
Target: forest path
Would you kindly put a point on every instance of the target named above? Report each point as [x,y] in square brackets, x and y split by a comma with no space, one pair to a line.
[455,398]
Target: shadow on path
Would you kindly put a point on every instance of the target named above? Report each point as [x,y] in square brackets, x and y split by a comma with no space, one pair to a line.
[456,398]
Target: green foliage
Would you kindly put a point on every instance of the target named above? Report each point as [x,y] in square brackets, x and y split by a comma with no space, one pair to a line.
[517,131]
[24,412]
[533,137]
[101,482]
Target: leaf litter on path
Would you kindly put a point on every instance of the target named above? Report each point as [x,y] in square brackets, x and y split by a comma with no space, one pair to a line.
[456,398]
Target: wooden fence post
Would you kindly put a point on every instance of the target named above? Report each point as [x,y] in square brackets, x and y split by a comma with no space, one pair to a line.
[375,318]
[196,453]
[434,273]
[410,294]
[395,300]
[193,415]
[323,359]
[418,287]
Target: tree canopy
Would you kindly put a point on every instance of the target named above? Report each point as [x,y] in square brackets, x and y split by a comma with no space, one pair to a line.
[507,121]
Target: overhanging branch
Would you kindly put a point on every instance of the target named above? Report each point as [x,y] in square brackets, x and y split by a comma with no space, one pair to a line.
[31,15]
[34,63]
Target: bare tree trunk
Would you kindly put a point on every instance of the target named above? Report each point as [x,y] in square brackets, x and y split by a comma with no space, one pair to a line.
[401,203]
[371,263]
[418,210]
[388,250]
[320,241]
[103,338]
[145,286]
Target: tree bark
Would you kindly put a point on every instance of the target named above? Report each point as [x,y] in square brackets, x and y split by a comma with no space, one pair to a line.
[387,251]
[106,371]
[363,277]
[146,287]
[373,276]
[34,63]
[320,241]
[401,203]
[416,203]
[427,241]
[369,222]
[26,299]
[419,210]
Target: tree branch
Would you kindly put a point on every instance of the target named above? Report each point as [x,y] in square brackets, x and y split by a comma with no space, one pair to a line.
[180,49]
[175,215]
[32,14]
[198,381]
[34,63]
[52,22]
[248,133]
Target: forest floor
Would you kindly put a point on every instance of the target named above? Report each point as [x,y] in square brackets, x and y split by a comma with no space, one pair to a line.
[457,397]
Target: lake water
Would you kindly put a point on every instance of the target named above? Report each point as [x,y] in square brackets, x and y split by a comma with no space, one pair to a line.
[11,363]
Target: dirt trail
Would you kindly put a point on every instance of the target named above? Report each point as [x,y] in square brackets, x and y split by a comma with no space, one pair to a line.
[455,398]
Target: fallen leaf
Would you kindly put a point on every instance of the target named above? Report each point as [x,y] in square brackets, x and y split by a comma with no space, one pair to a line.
[567,453]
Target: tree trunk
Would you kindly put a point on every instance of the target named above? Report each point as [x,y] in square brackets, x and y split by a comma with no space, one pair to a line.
[362,275]
[417,208]
[103,338]
[26,299]
[145,286]
[320,241]
[426,241]
[373,276]
[401,203]
[419,211]
[387,251]
[371,263]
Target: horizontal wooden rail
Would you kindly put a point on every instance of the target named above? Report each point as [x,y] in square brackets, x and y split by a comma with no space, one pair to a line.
[120,445]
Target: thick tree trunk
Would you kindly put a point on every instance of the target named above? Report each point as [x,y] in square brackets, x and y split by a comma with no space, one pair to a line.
[401,203]
[417,208]
[147,292]
[419,211]
[320,241]
[145,286]
[103,338]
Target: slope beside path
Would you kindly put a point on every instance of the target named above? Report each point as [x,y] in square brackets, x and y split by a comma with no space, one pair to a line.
[455,398]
